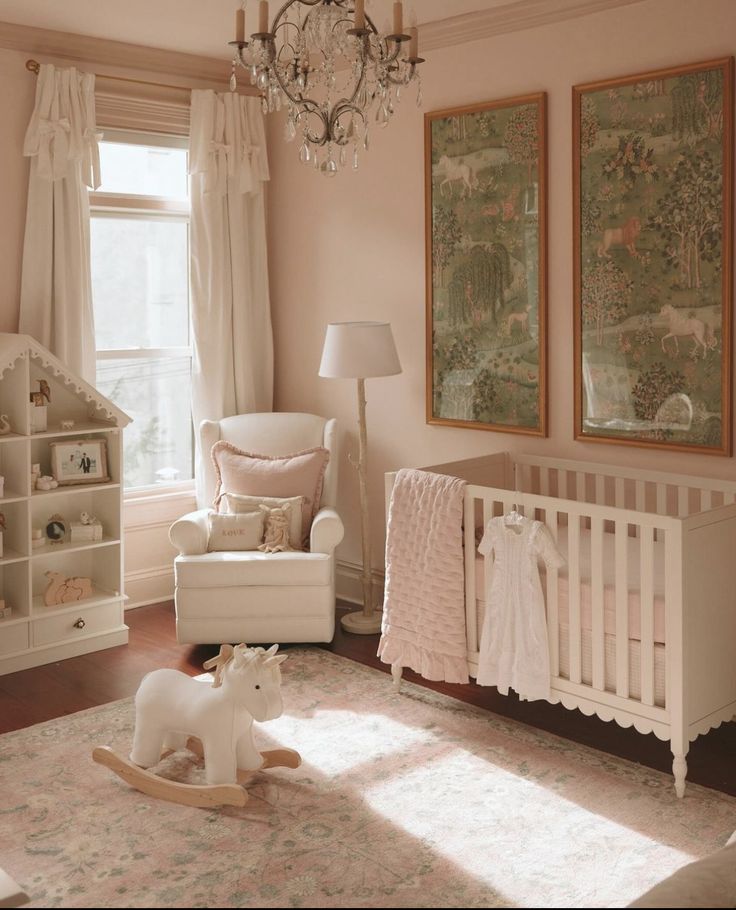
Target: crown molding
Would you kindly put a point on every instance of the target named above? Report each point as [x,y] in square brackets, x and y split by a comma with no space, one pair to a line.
[109,57]
[511,17]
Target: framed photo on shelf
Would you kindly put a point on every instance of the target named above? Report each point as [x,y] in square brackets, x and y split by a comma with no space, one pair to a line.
[653,270]
[79,461]
[486,253]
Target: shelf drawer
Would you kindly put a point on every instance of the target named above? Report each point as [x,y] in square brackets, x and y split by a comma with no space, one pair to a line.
[14,638]
[63,628]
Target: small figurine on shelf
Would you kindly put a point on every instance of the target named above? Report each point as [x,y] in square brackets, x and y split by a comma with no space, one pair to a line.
[4,425]
[5,612]
[38,406]
[35,474]
[61,590]
[37,538]
[67,424]
[46,482]
[87,528]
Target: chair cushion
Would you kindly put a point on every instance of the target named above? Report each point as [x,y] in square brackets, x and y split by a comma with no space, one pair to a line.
[237,502]
[223,570]
[300,474]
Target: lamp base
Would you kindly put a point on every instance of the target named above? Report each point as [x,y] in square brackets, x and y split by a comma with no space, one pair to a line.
[360,624]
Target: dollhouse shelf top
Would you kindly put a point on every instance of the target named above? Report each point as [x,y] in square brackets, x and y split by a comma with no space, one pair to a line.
[14,348]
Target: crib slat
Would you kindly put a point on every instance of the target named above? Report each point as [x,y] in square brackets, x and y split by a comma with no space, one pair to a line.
[553,621]
[683,502]
[646,575]
[544,481]
[471,610]
[597,628]
[580,486]
[661,499]
[620,500]
[600,489]
[488,509]
[641,496]
[706,500]
[573,596]
[562,483]
[622,609]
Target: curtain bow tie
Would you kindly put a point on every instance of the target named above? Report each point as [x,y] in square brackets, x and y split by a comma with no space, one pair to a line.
[61,125]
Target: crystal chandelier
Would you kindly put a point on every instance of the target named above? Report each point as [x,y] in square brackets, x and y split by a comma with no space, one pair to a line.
[336,74]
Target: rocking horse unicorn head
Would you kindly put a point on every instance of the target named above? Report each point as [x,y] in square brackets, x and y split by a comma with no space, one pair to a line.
[250,678]
[171,707]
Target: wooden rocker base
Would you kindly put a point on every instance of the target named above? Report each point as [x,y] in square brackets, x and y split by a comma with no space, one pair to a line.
[197,795]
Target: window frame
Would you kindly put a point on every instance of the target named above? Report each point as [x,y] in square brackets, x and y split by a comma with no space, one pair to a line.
[157,208]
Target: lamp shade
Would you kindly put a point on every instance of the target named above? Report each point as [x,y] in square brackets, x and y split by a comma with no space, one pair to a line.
[359,350]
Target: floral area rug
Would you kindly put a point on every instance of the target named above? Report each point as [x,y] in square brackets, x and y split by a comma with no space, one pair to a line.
[403,800]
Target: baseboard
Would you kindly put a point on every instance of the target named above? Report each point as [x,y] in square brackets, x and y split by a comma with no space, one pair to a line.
[149,586]
[348,583]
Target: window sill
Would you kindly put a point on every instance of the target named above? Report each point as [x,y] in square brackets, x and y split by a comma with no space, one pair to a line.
[158,507]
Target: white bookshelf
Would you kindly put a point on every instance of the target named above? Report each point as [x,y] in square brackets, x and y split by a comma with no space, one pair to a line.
[36,634]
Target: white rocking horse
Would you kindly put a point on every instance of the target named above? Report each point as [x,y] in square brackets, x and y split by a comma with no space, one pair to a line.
[174,711]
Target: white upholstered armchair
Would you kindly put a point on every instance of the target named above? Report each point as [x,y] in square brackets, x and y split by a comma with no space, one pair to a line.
[248,595]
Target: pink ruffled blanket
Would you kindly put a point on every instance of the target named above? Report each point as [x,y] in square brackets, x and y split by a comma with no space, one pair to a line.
[424,604]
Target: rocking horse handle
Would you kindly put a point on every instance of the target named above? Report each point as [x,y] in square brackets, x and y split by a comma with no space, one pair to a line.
[218,663]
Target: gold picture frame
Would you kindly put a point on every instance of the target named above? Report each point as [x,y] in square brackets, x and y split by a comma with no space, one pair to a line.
[486,265]
[79,461]
[653,270]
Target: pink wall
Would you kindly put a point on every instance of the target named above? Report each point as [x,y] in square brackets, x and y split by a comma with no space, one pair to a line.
[353,247]
[18,88]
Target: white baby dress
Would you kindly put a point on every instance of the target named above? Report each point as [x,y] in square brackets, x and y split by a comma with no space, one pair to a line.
[514,653]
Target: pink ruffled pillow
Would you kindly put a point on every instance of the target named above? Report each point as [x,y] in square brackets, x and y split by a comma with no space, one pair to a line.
[300,474]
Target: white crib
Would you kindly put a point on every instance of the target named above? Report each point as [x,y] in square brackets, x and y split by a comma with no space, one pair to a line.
[642,621]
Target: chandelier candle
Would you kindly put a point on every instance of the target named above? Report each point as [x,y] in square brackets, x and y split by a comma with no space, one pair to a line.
[240,25]
[336,74]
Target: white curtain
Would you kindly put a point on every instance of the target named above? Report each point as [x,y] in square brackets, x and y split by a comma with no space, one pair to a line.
[232,370]
[56,287]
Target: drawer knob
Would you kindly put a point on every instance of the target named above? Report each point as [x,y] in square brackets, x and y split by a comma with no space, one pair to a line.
[80,623]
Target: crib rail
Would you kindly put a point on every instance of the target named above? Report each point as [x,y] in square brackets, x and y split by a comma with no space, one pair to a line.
[674,495]
[616,562]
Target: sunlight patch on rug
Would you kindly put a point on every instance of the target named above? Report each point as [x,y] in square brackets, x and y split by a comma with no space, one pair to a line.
[526,822]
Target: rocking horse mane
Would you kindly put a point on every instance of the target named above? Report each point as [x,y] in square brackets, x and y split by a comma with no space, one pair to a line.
[241,655]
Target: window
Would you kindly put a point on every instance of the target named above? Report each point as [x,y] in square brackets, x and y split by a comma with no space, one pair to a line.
[140,289]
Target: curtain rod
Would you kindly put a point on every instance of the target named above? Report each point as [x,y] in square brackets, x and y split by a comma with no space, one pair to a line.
[34,66]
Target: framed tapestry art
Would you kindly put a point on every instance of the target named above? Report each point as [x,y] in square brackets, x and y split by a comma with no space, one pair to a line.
[486,224]
[653,209]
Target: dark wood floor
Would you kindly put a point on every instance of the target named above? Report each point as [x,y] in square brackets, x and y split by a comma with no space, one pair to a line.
[54,690]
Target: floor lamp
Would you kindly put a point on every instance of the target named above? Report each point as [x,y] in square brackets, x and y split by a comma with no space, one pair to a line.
[361,350]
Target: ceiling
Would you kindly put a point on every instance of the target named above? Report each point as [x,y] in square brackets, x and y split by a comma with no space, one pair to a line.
[193,26]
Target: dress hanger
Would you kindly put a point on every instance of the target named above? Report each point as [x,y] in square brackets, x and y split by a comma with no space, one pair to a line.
[514,518]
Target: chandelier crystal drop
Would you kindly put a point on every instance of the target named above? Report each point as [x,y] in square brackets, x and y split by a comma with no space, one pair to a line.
[337,76]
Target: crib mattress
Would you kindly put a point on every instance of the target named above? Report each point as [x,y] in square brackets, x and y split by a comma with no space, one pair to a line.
[609,587]
[609,661]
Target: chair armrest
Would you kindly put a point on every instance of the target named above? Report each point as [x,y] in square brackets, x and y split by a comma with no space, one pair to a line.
[327,531]
[190,534]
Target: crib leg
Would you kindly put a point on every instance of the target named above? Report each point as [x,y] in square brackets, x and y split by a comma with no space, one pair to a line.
[396,671]
[679,769]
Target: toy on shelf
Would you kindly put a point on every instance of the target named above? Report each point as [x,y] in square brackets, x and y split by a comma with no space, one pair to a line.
[4,425]
[86,529]
[46,482]
[67,424]
[62,590]
[38,406]
[174,711]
